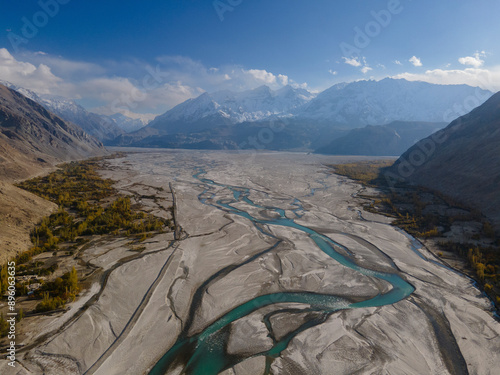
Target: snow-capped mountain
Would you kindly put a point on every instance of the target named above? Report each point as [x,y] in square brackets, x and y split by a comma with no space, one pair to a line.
[381,102]
[126,123]
[27,93]
[225,119]
[227,107]
[32,137]
[101,127]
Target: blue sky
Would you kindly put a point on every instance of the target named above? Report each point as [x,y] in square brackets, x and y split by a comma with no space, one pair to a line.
[145,57]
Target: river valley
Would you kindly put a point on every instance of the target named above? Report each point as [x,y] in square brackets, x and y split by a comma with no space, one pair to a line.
[272,270]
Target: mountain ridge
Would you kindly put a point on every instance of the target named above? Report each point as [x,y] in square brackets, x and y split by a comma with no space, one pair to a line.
[103,128]
[381,140]
[232,107]
[461,160]
[341,107]
[372,102]
[32,138]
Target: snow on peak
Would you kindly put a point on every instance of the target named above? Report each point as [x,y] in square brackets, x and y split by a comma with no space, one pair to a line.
[251,105]
[372,102]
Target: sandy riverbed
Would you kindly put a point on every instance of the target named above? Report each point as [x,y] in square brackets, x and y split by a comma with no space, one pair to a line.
[443,327]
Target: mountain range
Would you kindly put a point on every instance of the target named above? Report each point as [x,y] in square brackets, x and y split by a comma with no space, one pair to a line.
[32,138]
[226,119]
[363,117]
[461,160]
[371,102]
[32,142]
[104,128]
[228,107]
[126,123]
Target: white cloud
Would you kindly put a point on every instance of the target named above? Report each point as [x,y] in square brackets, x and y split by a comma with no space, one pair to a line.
[365,69]
[243,79]
[105,110]
[117,94]
[230,77]
[397,62]
[107,89]
[353,62]
[415,61]
[131,86]
[121,95]
[63,67]
[37,78]
[261,75]
[304,86]
[283,79]
[475,60]
[488,79]
[356,62]
[332,72]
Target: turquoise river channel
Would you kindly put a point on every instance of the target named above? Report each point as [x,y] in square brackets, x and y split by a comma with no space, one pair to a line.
[205,353]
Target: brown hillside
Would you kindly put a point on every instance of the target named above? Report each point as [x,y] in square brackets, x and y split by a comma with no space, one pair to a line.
[32,142]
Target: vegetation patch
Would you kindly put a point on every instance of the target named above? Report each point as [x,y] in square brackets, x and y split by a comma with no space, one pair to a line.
[88,206]
[56,293]
[366,172]
[427,214]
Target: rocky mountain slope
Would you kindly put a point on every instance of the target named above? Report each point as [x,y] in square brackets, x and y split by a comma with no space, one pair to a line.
[32,141]
[101,127]
[31,137]
[384,140]
[462,160]
[20,211]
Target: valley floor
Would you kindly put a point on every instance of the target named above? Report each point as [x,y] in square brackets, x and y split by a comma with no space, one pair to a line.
[274,271]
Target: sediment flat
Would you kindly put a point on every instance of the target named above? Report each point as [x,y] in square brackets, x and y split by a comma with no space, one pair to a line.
[221,259]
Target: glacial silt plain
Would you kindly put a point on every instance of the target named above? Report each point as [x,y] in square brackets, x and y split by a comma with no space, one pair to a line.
[274,268]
